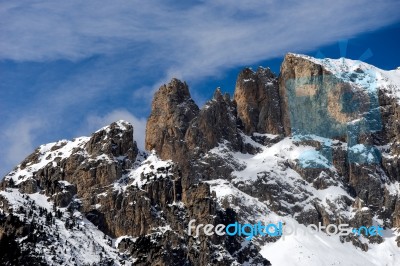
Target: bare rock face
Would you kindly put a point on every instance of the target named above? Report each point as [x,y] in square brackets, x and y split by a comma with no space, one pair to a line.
[215,123]
[390,136]
[296,69]
[390,110]
[29,186]
[258,101]
[172,111]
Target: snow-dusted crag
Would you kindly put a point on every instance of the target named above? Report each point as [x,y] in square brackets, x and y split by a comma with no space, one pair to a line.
[320,143]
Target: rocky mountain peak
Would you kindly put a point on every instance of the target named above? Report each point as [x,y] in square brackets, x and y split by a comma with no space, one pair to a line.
[218,95]
[258,101]
[172,110]
[176,90]
[265,72]
[115,139]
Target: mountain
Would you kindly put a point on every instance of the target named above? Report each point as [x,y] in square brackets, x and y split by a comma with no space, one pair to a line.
[317,145]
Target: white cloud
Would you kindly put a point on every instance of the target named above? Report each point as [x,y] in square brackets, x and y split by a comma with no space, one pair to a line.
[94,122]
[193,41]
[20,137]
[189,42]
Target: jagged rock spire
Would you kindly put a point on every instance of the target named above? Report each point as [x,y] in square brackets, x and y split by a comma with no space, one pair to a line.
[172,110]
[258,101]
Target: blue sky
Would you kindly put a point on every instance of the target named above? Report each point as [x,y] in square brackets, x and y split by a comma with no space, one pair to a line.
[70,67]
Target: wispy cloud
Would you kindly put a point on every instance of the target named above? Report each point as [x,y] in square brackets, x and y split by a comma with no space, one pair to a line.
[139,45]
[192,40]
[21,137]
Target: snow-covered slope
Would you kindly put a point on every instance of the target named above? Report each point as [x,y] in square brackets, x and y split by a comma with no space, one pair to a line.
[268,187]
[62,236]
[312,249]
[47,154]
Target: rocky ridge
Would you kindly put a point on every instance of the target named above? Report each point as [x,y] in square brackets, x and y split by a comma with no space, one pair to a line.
[284,148]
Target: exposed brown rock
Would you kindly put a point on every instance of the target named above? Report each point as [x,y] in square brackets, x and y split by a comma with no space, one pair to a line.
[29,186]
[172,111]
[294,67]
[258,101]
[215,123]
